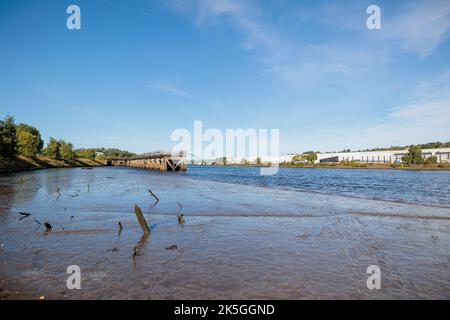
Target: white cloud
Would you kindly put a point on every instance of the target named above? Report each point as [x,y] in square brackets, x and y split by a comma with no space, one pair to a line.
[418,123]
[121,6]
[208,8]
[171,90]
[417,26]
[288,58]
[421,26]
[435,89]
[240,14]
[424,118]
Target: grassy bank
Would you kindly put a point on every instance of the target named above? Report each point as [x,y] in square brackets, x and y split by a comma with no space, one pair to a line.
[22,163]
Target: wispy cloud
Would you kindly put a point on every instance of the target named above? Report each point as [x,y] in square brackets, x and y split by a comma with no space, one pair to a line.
[242,15]
[290,59]
[422,122]
[417,25]
[171,90]
[343,49]
[420,26]
[121,6]
[424,118]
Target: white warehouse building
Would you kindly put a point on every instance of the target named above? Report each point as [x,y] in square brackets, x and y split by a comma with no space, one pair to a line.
[388,156]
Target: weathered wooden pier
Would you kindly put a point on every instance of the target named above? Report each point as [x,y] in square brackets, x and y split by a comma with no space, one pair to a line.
[158,160]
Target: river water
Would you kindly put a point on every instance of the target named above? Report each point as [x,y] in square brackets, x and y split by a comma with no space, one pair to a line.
[420,187]
[301,234]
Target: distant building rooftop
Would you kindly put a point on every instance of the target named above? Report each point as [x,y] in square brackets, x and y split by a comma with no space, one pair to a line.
[386,156]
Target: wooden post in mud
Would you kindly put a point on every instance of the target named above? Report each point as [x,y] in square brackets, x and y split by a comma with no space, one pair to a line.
[141,219]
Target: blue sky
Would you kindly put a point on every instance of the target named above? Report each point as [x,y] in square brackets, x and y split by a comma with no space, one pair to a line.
[137,70]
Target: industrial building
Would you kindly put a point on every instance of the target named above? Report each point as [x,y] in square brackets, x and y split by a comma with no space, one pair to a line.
[388,156]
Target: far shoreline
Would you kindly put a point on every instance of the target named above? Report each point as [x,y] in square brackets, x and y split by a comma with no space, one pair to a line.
[23,164]
[433,167]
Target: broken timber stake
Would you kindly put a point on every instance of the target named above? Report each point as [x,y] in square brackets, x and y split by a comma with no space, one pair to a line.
[120,228]
[157,199]
[141,219]
[24,215]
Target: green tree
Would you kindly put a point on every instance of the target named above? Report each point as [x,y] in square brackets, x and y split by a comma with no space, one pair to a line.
[430,159]
[297,158]
[53,149]
[8,138]
[224,159]
[114,153]
[85,153]
[66,150]
[258,161]
[100,157]
[309,156]
[414,155]
[29,141]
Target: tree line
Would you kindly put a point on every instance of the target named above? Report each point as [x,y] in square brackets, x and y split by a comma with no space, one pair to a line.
[25,140]
[429,145]
[99,153]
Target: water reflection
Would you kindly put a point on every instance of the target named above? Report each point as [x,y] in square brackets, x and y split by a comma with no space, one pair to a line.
[139,247]
[16,189]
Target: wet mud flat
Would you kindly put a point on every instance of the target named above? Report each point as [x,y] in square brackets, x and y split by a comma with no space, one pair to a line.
[238,242]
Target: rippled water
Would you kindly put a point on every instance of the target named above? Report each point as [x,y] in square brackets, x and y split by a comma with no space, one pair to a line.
[421,187]
[240,240]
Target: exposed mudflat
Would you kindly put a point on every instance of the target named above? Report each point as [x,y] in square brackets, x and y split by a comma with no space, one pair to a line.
[240,241]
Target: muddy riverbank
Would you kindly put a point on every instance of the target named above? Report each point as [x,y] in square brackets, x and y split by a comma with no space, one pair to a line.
[239,241]
[17,164]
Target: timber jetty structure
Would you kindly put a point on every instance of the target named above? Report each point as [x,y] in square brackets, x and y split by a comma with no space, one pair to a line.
[158,160]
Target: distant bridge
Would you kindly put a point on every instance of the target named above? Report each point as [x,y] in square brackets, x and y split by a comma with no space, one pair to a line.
[157,160]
